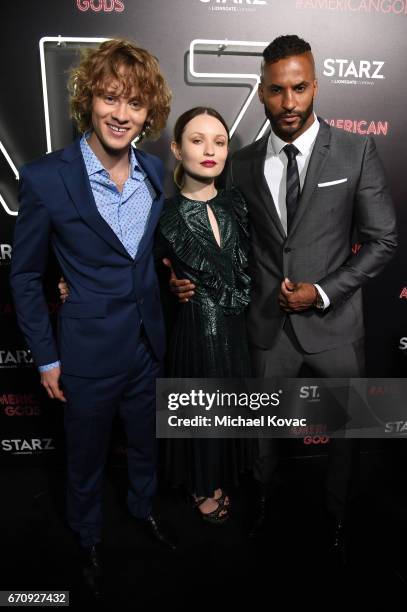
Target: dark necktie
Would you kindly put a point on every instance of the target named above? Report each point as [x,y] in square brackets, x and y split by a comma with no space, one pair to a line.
[293,183]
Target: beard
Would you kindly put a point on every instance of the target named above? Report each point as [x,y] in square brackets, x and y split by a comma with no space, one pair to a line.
[289,132]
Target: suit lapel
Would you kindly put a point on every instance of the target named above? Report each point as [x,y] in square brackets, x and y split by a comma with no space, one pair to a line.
[156,205]
[260,186]
[77,183]
[150,170]
[316,164]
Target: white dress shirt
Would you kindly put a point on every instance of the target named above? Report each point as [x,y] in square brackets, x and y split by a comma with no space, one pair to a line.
[275,172]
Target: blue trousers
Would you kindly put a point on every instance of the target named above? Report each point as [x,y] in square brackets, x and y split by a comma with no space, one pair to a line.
[91,406]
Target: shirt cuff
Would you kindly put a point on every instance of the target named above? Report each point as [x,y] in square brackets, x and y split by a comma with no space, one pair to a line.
[49,366]
[323,295]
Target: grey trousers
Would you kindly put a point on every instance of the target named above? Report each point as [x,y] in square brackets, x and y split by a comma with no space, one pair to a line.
[287,359]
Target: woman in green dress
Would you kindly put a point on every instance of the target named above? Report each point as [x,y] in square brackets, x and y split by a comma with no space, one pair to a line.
[203,232]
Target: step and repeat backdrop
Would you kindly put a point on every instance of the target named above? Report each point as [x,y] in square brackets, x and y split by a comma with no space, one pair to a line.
[210,51]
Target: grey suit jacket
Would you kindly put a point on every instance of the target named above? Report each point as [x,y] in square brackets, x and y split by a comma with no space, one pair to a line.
[318,248]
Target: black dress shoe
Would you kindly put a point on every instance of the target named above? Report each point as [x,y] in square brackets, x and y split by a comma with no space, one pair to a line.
[259,520]
[156,532]
[92,569]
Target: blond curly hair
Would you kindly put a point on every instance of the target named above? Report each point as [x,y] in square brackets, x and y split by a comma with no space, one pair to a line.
[130,66]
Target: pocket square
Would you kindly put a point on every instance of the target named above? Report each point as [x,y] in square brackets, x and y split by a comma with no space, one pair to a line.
[329,183]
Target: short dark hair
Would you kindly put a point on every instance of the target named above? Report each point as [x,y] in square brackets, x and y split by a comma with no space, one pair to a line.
[282,47]
[285,46]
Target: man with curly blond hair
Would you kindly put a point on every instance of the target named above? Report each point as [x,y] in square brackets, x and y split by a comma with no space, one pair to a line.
[97,203]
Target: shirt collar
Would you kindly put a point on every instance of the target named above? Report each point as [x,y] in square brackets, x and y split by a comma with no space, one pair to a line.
[94,165]
[303,143]
[136,169]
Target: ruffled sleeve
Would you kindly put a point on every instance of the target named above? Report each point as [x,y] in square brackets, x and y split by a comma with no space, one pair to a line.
[176,237]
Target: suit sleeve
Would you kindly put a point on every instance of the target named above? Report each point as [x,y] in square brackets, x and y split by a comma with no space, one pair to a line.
[375,222]
[29,260]
[161,248]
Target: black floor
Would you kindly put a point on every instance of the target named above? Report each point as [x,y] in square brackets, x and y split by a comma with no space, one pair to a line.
[216,567]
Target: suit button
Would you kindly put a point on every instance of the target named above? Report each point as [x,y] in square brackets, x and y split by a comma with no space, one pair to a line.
[141,301]
[287,250]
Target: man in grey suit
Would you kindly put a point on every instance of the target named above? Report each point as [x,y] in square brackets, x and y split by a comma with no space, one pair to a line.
[308,188]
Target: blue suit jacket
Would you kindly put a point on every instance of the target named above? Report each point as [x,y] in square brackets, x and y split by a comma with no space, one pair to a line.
[110,292]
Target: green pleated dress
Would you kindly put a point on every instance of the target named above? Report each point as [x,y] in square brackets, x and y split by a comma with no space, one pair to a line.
[208,339]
